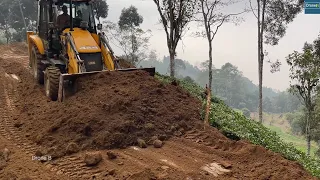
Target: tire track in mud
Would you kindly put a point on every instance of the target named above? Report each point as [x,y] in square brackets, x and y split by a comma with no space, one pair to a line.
[71,166]
[7,127]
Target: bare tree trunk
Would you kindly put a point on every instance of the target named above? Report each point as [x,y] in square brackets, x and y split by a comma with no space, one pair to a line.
[206,119]
[260,92]
[132,46]
[7,33]
[308,136]
[23,18]
[260,52]
[172,63]
[308,144]
[210,65]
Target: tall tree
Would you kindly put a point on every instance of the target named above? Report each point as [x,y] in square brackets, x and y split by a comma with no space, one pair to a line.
[16,17]
[100,9]
[175,16]
[134,44]
[304,71]
[130,18]
[273,16]
[212,18]
[129,23]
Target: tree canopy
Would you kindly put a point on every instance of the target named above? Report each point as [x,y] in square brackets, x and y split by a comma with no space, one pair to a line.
[130,18]
[101,9]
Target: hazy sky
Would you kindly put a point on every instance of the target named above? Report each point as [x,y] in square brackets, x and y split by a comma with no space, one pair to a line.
[234,44]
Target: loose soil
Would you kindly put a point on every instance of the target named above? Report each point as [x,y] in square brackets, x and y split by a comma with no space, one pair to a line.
[112,110]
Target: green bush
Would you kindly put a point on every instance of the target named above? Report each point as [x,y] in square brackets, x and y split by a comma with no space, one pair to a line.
[235,125]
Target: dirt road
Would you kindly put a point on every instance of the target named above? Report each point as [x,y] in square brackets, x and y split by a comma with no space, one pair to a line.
[26,131]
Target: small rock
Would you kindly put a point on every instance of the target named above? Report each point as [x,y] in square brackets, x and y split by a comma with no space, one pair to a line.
[142,143]
[164,167]
[111,155]
[120,163]
[92,159]
[261,164]
[149,126]
[173,128]
[6,154]
[162,137]
[157,144]
[72,148]
[112,172]
[177,133]
[182,130]
[151,141]
[226,164]
[54,152]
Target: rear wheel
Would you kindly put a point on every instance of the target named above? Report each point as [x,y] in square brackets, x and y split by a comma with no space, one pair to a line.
[36,65]
[52,77]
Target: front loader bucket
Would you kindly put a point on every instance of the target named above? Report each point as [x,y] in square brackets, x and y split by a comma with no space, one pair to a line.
[70,79]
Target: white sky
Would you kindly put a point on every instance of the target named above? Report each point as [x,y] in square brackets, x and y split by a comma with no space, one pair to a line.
[234,44]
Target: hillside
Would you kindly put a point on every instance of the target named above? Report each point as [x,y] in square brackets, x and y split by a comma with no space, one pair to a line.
[279,124]
[230,85]
[110,121]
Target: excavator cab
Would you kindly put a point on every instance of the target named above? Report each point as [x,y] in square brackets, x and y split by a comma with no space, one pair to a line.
[67,46]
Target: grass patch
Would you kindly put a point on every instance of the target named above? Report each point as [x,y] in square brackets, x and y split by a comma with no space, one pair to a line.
[233,123]
[299,142]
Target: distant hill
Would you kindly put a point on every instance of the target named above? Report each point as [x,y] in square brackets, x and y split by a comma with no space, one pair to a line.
[230,85]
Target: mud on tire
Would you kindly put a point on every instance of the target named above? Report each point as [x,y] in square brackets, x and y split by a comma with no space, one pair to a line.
[36,65]
[52,75]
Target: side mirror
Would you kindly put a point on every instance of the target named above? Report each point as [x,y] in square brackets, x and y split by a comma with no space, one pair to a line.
[99,27]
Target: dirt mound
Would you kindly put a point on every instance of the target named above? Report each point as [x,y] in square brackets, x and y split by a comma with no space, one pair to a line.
[110,110]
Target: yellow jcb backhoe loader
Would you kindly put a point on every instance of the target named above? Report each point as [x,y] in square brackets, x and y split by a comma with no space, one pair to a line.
[61,53]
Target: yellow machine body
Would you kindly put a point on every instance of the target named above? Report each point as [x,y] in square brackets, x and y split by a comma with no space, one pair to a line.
[58,56]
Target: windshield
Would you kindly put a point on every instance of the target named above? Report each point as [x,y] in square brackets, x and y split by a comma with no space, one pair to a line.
[81,11]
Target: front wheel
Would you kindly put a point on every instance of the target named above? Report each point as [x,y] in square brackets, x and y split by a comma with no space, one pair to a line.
[52,77]
[35,64]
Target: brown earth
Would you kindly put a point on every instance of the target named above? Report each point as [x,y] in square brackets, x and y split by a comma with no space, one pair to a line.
[110,112]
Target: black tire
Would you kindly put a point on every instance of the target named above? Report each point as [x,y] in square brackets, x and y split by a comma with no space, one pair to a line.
[52,77]
[36,65]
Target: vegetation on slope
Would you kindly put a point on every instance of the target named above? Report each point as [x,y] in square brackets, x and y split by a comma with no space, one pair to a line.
[235,125]
[298,141]
[283,126]
[230,85]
